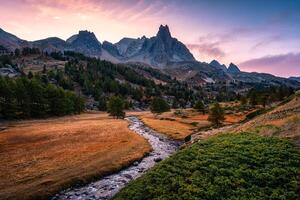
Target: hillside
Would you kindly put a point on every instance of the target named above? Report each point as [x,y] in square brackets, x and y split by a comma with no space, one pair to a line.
[255,160]
[283,121]
[243,166]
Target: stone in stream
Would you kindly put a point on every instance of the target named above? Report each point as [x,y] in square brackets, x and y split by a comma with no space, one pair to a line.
[141,170]
[157,159]
[127,176]
[136,163]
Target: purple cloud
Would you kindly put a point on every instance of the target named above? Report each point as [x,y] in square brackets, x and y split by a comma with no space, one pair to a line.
[280,65]
[209,49]
[267,41]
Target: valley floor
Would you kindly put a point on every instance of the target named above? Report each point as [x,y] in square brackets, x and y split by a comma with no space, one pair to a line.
[179,124]
[40,157]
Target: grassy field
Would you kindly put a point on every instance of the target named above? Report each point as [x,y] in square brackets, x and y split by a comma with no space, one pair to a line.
[229,166]
[40,157]
[180,125]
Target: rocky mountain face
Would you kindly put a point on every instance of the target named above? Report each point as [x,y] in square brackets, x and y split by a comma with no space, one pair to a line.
[161,51]
[11,42]
[84,42]
[233,69]
[295,78]
[217,65]
[156,51]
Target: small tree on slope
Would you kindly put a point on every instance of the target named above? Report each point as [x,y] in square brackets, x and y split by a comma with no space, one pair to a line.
[200,107]
[216,115]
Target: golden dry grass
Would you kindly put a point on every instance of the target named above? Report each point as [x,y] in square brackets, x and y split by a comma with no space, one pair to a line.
[40,157]
[174,129]
[180,126]
[283,121]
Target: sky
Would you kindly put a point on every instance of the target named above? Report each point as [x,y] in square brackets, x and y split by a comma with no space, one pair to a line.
[262,36]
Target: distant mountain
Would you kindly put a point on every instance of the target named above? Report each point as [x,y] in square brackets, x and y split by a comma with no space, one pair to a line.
[84,42]
[156,51]
[195,72]
[161,51]
[11,42]
[52,44]
[233,69]
[295,78]
[217,65]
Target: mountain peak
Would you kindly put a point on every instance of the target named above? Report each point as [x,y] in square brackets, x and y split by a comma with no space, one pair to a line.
[214,63]
[217,65]
[85,32]
[164,32]
[85,42]
[233,69]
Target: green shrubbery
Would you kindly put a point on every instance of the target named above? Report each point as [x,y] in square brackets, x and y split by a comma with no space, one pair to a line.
[231,166]
[256,113]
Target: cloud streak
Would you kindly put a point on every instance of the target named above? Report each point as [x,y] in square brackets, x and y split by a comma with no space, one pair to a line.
[281,65]
[208,49]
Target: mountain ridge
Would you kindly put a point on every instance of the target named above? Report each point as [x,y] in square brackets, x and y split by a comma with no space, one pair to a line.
[160,51]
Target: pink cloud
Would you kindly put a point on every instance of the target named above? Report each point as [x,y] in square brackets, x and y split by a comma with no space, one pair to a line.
[280,65]
[209,49]
[112,20]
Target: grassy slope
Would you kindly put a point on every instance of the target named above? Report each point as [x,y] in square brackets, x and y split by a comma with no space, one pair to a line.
[40,157]
[229,166]
[232,166]
[283,121]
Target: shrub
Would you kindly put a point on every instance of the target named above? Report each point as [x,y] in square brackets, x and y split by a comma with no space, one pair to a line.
[229,166]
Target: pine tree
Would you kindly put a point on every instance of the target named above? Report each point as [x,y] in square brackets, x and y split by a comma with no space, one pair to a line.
[159,105]
[115,107]
[200,107]
[216,115]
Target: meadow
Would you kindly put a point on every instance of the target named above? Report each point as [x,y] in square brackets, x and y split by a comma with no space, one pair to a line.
[41,157]
[179,124]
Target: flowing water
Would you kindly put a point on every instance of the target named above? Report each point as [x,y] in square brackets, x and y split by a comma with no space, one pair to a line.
[108,186]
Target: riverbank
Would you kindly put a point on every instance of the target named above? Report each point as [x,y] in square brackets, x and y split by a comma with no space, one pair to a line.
[108,186]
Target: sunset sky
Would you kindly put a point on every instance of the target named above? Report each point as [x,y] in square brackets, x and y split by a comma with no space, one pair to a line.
[257,35]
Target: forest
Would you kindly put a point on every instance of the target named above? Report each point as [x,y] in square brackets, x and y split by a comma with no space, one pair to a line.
[100,79]
[32,98]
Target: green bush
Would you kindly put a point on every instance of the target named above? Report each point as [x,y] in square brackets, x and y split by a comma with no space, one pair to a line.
[256,113]
[229,166]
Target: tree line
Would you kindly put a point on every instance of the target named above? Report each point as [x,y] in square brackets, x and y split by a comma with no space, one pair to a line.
[31,98]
